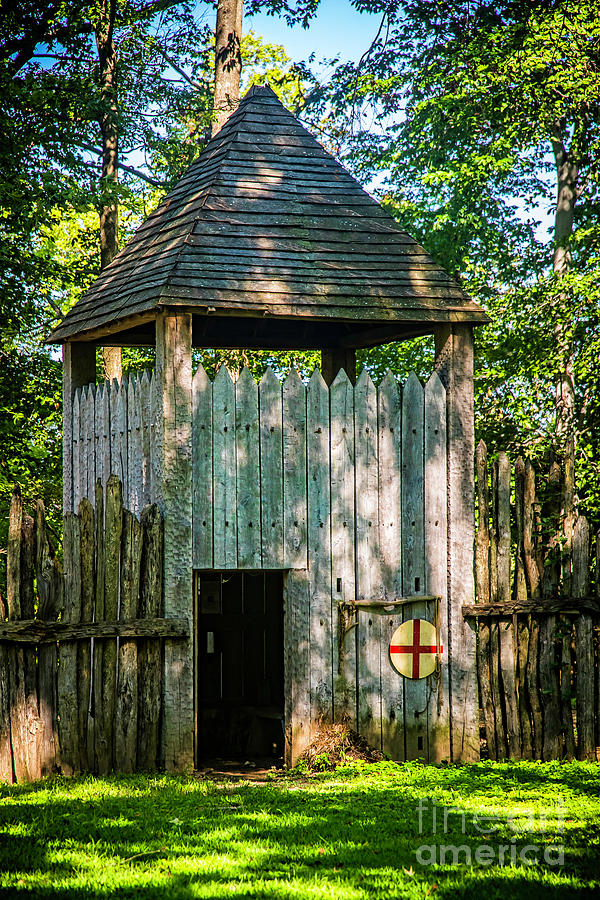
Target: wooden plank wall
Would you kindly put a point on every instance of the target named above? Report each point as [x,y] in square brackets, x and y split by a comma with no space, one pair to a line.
[114,433]
[344,486]
[310,479]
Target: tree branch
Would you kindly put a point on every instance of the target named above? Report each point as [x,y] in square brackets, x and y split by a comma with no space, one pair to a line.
[131,169]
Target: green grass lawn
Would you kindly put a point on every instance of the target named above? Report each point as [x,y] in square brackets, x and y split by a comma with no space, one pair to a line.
[362,831]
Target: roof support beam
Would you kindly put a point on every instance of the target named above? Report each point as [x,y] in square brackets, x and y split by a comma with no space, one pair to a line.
[334,360]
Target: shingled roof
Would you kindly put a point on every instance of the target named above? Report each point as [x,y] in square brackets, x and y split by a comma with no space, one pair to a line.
[267,224]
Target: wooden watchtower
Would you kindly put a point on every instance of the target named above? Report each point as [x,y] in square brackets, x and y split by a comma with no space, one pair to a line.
[303,522]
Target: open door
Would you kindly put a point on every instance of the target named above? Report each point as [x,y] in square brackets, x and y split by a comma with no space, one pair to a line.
[239,665]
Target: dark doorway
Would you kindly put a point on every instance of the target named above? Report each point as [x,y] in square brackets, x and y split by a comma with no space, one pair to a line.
[239,664]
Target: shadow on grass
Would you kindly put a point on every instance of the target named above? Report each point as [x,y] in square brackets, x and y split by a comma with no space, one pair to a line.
[346,835]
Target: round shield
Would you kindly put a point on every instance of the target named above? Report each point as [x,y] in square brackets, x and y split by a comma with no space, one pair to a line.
[413,648]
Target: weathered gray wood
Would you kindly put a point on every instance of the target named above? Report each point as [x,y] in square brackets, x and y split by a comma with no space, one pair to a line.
[79,368]
[454,364]
[436,553]
[533,689]
[6,760]
[341,398]
[549,661]
[113,526]
[390,515]
[90,451]
[271,469]
[49,581]
[482,540]
[530,535]
[508,649]
[146,414]
[34,729]
[174,375]
[126,711]
[156,439]
[296,664]
[67,669]
[149,652]
[106,435]
[416,692]
[224,496]
[368,569]
[584,637]
[482,575]
[508,667]
[319,551]
[122,416]
[521,624]
[16,657]
[247,453]
[294,472]
[82,445]
[134,446]
[497,695]
[202,470]
[98,438]
[32,631]
[100,742]
[75,450]
[84,656]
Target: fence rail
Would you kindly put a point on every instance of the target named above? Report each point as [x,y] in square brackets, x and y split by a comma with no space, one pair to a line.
[537,618]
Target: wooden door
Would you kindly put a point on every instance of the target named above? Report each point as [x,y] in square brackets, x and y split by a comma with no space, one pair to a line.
[239,666]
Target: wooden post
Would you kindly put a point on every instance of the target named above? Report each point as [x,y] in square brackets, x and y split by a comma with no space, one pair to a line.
[584,636]
[334,360]
[79,369]
[454,365]
[174,387]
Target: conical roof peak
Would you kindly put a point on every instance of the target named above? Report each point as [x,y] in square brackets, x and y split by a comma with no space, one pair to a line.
[267,223]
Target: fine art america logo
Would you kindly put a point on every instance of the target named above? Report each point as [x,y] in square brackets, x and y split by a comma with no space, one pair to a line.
[531,836]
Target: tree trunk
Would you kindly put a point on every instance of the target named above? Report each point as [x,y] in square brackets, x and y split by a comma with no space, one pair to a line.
[109,208]
[228,60]
[567,171]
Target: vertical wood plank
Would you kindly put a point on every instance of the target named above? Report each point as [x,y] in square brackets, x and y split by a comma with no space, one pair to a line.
[482,573]
[82,445]
[79,368]
[271,470]
[123,434]
[533,574]
[98,437]
[202,469]
[34,732]
[134,446]
[49,585]
[113,526]
[174,375]
[90,420]
[454,364]
[368,570]
[67,669]
[106,436]
[549,663]
[389,439]
[75,451]
[225,511]
[16,655]
[341,398]
[522,625]
[294,472]
[247,455]
[319,551]
[584,636]
[126,709]
[416,711]
[155,438]
[508,649]
[296,664]
[6,755]
[100,741]
[149,651]
[145,421]
[88,590]
[436,542]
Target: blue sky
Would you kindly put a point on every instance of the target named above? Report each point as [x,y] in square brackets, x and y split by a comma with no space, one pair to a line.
[336,29]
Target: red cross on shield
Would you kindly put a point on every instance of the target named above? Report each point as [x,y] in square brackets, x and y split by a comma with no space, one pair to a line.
[413,648]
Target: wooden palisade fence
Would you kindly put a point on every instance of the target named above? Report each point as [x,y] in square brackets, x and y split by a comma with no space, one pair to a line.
[81,650]
[537,652]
